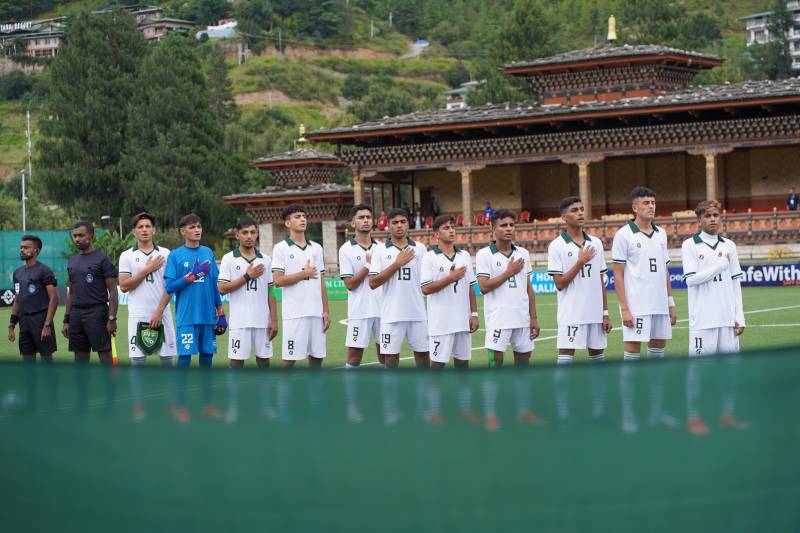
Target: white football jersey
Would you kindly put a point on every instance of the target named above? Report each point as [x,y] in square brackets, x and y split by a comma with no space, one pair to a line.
[401,298]
[715,303]
[362,302]
[645,258]
[581,302]
[249,305]
[304,298]
[448,309]
[144,299]
[506,307]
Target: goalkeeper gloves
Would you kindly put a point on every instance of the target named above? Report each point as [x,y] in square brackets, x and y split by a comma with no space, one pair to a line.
[222,323]
[199,270]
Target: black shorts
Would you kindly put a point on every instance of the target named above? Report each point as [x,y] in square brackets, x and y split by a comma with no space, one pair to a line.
[30,335]
[87,329]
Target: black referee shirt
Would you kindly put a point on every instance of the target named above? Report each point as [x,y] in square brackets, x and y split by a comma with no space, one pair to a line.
[30,284]
[87,278]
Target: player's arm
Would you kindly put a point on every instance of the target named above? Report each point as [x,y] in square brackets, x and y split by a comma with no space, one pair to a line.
[155,319]
[432,287]
[272,302]
[487,284]
[14,320]
[736,278]
[353,282]
[473,309]
[532,307]
[128,281]
[585,255]
[113,303]
[173,283]
[694,279]
[377,279]
[619,256]
[52,305]
[281,279]
[67,311]
[607,326]
[326,317]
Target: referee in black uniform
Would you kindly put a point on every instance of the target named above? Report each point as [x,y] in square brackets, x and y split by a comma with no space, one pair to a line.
[91,315]
[35,304]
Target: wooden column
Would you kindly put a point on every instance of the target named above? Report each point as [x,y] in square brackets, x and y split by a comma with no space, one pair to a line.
[466,171]
[710,155]
[584,181]
[358,195]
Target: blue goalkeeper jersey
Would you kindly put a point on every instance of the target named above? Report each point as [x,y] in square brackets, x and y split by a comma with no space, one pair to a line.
[197,302]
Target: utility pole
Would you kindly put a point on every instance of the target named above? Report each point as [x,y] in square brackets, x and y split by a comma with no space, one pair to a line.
[29,143]
[280,40]
[24,198]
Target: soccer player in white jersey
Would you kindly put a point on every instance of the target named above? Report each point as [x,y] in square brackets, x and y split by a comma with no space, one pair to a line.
[395,270]
[716,315]
[363,304]
[575,261]
[509,305]
[713,275]
[448,281]
[641,277]
[141,275]
[246,275]
[298,268]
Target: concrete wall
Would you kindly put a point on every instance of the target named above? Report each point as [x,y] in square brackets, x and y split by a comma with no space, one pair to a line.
[499,185]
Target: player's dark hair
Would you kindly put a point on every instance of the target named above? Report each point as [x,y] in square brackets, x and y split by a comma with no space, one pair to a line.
[503,213]
[360,207]
[85,224]
[441,220]
[144,215]
[566,202]
[292,209]
[396,212]
[191,218]
[642,192]
[705,205]
[246,222]
[34,239]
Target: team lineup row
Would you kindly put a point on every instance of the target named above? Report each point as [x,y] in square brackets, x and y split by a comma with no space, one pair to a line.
[387,284]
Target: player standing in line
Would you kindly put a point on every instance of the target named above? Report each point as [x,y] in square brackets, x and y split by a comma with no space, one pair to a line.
[363,304]
[641,277]
[298,268]
[35,303]
[191,275]
[716,315]
[90,317]
[503,273]
[246,275]
[575,261]
[447,281]
[141,275]
[395,267]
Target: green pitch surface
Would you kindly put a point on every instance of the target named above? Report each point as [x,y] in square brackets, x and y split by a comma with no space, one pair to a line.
[87,448]
[772,313]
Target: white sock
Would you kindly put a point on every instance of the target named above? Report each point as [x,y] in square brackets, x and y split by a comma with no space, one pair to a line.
[167,360]
[381,365]
[599,358]
[655,353]
[138,361]
[564,359]
[348,365]
[630,356]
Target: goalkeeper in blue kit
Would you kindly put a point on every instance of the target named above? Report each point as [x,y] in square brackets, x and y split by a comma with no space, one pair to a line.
[191,275]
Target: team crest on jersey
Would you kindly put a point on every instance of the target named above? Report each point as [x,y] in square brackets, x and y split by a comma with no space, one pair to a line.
[238,267]
[389,257]
[89,277]
[186,264]
[638,245]
[31,288]
[702,257]
[569,254]
[498,263]
[291,256]
[358,258]
[137,259]
[441,269]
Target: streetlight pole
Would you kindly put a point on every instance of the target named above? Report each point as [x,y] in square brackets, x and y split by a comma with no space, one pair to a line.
[24,201]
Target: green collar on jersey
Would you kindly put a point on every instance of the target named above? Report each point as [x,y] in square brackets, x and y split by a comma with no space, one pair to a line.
[389,242]
[438,250]
[136,247]
[238,253]
[493,248]
[569,239]
[699,240]
[635,229]
[290,242]
[354,242]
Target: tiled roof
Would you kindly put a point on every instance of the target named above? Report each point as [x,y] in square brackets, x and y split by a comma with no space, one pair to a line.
[721,94]
[295,156]
[276,192]
[591,54]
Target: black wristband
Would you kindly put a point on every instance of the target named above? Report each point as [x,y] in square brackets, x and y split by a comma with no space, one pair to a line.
[247,277]
[66,319]
[13,321]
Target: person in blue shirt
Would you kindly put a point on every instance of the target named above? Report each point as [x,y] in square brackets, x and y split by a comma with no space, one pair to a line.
[487,214]
[792,201]
[191,275]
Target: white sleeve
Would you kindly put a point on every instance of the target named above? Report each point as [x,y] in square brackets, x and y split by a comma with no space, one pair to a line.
[471,279]
[619,248]
[554,265]
[225,268]
[483,263]
[345,265]
[278,258]
[664,248]
[688,259]
[736,276]
[528,265]
[599,257]
[736,268]
[376,265]
[694,278]
[125,263]
[426,271]
[319,259]
[268,271]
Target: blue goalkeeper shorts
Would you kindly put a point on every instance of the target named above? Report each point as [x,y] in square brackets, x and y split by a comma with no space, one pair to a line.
[198,338]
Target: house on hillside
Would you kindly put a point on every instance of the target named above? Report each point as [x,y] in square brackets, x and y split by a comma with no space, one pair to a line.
[757,26]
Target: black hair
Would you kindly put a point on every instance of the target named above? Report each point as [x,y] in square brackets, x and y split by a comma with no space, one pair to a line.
[503,213]
[34,239]
[642,192]
[396,212]
[360,207]
[291,209]
[246,222]
[144,215]
[85,224]
[566,202]
[441,220]
[189,219]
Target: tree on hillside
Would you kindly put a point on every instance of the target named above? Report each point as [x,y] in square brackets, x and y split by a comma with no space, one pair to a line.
[527,34]
[779,55]
[84,132]
[174,161]
[382,101]
[220,85]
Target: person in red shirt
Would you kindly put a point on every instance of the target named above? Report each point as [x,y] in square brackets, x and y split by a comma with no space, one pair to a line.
[383,221]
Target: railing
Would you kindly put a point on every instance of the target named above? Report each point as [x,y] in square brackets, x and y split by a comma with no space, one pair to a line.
[746,228]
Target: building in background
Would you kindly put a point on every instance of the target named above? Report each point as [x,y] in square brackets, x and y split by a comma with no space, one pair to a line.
[757,27]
